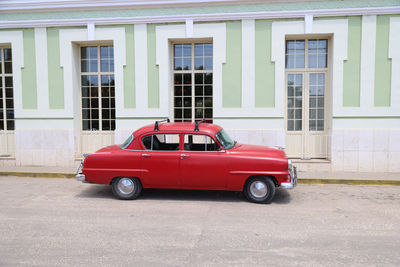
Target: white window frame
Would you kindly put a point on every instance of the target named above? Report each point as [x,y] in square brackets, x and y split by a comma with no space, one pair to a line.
[98,74]
[192,72]
[3,76]
[306,71]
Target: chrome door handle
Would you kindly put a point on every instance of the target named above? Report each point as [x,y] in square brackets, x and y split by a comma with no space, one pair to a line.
[184,156]
[145,155]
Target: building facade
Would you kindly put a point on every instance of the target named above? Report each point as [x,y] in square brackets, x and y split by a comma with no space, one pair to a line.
[319,78]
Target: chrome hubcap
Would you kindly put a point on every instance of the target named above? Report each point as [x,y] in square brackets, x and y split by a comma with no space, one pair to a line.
[126,186]
[258,189]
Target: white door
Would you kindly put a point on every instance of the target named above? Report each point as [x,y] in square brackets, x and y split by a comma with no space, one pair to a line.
[306,98]
[306,135]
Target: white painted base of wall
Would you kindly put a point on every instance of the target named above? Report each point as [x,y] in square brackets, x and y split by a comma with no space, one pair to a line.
[44,147]
[366,150]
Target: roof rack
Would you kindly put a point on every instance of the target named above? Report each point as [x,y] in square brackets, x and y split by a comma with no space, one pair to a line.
[157,122]
[196,127]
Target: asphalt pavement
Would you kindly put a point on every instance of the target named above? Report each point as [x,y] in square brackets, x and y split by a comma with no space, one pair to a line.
[62,222]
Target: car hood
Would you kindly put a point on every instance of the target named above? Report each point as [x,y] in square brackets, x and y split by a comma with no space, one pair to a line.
[258,150]
[109,149]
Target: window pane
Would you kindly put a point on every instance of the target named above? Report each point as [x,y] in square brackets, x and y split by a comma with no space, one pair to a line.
[297,125]
[104,52]
[187,50]
[198,63]
[208,50]
[10,125]
[7,54]
[299,61]
[198,50]
[198,78]
[208,78]
[9,81]
[289,61]
[105,125]
[93,52]
[178,90]
[199,90]
[104,67]
[8,67]
[208,63]
[178,51]
[178,102]
[84,53]
[178,63]
[177,78]
[187,102]
[187,63]
[178,113]
[312,61]
[187,113]
[208,90]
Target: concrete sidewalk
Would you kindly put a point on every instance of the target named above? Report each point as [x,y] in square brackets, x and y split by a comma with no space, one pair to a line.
[356,178]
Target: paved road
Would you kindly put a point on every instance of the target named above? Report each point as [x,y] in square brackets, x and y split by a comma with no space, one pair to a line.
[61,222]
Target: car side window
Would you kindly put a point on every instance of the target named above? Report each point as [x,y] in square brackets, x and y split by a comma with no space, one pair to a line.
[165,142]
[199,142]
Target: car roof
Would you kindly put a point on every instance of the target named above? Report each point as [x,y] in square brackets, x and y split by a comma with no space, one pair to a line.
[181,127]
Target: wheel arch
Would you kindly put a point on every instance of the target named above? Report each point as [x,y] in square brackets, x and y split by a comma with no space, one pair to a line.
[120,176]
[258,176]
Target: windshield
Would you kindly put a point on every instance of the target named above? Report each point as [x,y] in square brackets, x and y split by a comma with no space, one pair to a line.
[127,142]
[224,139]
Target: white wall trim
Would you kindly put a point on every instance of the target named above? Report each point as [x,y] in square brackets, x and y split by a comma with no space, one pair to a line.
[336,27]
[42,74]
[68,57]
[248,63]
[308,21]
[141,82]
[164,34]
[189,28]
[201,17]
[90,31]
[367,71]
[394,54]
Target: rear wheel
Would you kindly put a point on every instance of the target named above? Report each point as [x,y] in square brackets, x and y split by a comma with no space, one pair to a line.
[126,187]
[259,189]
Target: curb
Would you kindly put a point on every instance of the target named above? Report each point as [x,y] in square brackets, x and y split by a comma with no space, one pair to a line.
[70,175]
[347,181]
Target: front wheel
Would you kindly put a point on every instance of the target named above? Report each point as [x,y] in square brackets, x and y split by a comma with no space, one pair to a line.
[259,190]
[126,187]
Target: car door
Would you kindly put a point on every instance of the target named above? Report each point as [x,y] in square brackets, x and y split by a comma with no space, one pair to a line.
[160,160]
[203,164]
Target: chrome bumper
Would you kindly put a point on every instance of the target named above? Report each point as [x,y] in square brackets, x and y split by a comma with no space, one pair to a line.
[80,177]
[293,179]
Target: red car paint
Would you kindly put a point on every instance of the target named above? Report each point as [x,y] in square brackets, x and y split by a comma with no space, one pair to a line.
[227,169]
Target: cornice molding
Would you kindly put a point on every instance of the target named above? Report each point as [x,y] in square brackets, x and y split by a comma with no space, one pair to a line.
[62,5]
[201,17]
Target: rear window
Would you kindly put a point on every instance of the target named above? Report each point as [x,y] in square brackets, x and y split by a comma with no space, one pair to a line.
[127,142]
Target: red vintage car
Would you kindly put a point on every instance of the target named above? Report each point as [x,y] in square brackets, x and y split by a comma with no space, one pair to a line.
[188,156]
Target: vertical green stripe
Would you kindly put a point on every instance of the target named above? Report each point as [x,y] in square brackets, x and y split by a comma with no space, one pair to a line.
[129,68]
[29,90]
[264,68]
[56,76]
[351,68]
[232,69]
[383,65]
[152,68]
